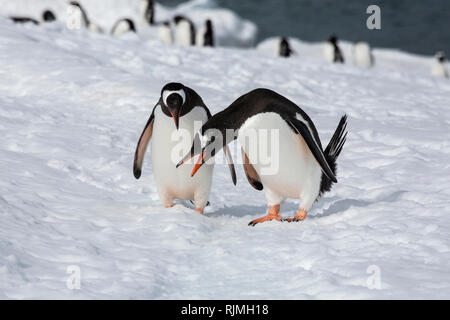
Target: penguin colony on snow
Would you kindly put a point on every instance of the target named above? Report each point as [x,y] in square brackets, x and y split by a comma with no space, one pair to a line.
[304,170]
[182,31]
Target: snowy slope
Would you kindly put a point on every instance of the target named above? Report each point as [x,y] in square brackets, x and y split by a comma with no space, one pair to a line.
[72,107]
[229,28]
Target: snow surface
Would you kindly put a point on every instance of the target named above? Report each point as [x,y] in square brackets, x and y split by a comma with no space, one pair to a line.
[72,107]
[229,28]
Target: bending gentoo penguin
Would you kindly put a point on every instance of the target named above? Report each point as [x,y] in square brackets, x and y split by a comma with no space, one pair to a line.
[147,10]
[332,52]
[173,118]
[80,19]
[362,55]
[294,166]
[438,67]
[123,26]
[165,33]
[205,36]
[284,49]
[184,31]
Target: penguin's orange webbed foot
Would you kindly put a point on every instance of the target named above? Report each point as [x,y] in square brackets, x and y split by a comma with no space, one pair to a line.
[169,205]
[199,210]
[273,214]
[300,216]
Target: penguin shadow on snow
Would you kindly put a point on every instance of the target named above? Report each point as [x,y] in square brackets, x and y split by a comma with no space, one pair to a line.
[322,210]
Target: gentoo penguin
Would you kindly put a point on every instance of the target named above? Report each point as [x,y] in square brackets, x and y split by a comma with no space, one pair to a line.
[438,67]
[205,36]
[165,33]
[173,122]
[147,11]
[332,52]
[284,49]
[184,31]
[294,165]
[80,19]
[123,26]
[362,55]
[48,16]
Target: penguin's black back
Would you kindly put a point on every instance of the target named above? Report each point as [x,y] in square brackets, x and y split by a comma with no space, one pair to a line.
[285,49]
[209,34]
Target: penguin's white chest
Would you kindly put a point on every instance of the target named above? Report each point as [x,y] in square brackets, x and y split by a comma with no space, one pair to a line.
[281,158]
[76,17]
[165,34]
[183,33]
[328,52]
[168,146]
[438,69]
[362,55]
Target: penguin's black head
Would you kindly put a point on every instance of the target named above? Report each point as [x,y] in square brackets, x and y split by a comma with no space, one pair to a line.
[178,19]
[75,3]
[209,24]
[210,139]
[131,25]
[173,97]
[332,39]
[440,56]
[48,16]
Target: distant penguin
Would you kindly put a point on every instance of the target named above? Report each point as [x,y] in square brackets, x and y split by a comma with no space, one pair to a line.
[205,36]
[362,55]
[284,48]
[184,31]
[165,32]
[122,27]
[298,167]
[171,129]
[332,52]
[24,20]
[48,16]
[147,11]
[79,17]
[438,68]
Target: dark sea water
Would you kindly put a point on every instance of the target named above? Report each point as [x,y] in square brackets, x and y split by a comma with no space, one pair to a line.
[418,26]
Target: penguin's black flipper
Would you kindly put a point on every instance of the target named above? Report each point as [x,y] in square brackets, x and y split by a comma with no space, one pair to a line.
[252,176]
[142,146]
[230,164]
[301,128]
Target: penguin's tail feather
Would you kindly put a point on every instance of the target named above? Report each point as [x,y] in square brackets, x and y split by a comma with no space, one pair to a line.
[332,152]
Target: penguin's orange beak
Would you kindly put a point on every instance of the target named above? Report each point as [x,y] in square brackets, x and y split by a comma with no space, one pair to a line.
[176,119]
[198,164]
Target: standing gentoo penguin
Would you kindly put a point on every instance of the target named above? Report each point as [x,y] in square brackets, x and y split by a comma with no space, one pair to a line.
[205,36]
[80,19]
[165,33]
[301,169]
[362,55]
[123,26]
[147,10]
[173,118]
[332,52]
[438,67]
[284,49]
[184,31]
